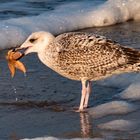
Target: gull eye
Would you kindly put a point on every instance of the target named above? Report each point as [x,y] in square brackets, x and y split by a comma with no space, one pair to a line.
[32,40]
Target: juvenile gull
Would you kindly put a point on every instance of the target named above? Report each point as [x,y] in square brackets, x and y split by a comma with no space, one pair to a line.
[82,56]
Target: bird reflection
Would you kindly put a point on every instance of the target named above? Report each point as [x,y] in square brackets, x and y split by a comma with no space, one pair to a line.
[86,125]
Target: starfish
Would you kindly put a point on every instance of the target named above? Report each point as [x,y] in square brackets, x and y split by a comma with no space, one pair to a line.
[14,63]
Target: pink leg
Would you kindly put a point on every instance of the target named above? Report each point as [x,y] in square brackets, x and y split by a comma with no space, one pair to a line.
[87,94]
[84,91]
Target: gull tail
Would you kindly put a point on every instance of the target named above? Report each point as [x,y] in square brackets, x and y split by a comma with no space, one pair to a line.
[133,57]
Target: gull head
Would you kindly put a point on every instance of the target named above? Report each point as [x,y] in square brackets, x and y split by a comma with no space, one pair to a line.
[36,42]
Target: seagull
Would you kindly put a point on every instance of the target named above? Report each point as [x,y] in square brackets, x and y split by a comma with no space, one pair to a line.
[82,56]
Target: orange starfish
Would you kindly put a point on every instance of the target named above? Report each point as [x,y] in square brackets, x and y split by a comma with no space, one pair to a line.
[14,63]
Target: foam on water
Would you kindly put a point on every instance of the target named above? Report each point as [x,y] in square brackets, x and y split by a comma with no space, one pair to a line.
[68,17]
[132,92]
[121,125]
[119,81]
[53,138]
[111,108]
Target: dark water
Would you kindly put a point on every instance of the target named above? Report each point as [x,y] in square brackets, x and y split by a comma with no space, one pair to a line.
[41,103]
[15,8]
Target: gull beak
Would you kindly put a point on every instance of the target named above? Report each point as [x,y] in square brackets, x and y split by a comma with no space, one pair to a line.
[22,49]
[16,50]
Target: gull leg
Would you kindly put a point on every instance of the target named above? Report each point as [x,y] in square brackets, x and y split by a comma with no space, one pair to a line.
[87,94]
[83,95]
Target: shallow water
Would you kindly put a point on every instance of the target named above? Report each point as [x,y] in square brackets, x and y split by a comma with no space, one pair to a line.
[41,104]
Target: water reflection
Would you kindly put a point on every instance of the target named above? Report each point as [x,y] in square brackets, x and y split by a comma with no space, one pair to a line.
[86,125]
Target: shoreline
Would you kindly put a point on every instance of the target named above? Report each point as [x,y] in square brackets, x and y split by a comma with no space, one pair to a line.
[45,98]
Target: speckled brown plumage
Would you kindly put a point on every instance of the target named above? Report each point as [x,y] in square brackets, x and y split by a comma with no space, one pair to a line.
[82,56]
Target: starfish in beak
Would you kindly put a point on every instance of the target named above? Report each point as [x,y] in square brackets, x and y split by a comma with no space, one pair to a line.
[13,57]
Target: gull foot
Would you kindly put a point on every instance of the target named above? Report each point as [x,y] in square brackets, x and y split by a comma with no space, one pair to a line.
[76,109]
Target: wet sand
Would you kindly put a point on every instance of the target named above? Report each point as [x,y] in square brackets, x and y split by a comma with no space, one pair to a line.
[40,104]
